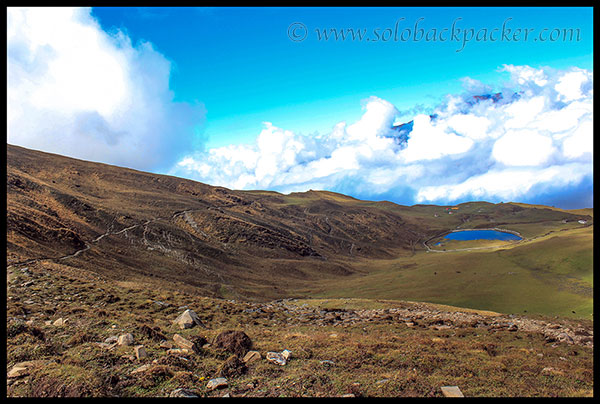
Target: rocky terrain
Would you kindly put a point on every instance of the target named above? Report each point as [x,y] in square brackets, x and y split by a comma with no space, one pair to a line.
[71,333]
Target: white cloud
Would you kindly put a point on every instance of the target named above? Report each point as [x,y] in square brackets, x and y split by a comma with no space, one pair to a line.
[522,148]
[534,139]
[76,90]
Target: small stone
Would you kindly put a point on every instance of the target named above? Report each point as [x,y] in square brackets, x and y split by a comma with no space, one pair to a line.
[17,371]
[218,383]
[286,354]
[125,339]
[140,352]
[252,356]
[141,369]
[22,368]
[60,322]
[551,371]
[113,339]
[178,351]
[166,344]
[349,395]
[277,358]
[327,362]
[452,391]
[185,393]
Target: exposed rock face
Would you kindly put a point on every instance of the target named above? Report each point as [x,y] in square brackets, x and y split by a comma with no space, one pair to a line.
[188,319]
[236,342]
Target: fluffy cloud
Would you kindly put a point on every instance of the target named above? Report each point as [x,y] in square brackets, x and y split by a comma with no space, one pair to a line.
[74,89]
[532,139]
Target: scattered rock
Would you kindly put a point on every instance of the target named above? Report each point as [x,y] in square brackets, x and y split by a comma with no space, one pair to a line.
[105,345]
[125,339]
[178,351]
[140,352]
[218,383]
[564,337]
[141,369]
[111,340]
[22,368]
[452,391]
[188,319]
[17,371]
[166,344]
[185,344]
[236,342]
[185,393]
[60,322]
[551,371]
[252,356]
[277,358]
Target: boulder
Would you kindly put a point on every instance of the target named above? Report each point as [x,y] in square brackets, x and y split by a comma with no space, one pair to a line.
[188,319]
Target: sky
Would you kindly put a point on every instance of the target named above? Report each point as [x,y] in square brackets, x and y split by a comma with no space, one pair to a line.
[258,98]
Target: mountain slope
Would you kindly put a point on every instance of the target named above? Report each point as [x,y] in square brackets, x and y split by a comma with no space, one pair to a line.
[129,225]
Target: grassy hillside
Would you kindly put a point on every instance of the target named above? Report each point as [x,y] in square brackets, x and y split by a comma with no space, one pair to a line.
[362,348]
[552,275]
[132,226]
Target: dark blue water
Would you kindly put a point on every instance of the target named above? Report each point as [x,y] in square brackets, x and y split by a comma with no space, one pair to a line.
[481,235]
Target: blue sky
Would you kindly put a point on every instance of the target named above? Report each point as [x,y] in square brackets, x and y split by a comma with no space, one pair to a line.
[241,64]
[226,97]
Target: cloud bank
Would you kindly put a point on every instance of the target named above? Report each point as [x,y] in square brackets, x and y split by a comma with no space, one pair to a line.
[531,141]
[76,90]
